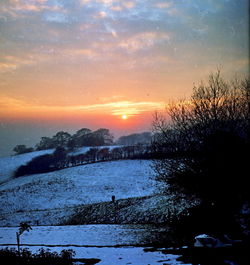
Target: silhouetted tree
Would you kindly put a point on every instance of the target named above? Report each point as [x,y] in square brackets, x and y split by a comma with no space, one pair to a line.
[71,145]
[39,164]
[117,153]
[103,154]
[45,143]
[59,157]
[81,137]
[102,137]
[61,139]
[136,138]
[209,136]
[91,155]
[21,149]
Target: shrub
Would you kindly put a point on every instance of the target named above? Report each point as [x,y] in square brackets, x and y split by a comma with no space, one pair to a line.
[22,149]
[43,257]
[39,164]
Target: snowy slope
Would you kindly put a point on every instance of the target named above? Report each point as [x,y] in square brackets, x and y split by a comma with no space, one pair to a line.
[51,196]
[84,149]
[9,164]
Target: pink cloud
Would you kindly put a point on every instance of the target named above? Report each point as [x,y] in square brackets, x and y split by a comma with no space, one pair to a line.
[142,40]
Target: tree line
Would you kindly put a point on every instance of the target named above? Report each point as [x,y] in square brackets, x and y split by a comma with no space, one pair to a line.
[60,158]
[84,137]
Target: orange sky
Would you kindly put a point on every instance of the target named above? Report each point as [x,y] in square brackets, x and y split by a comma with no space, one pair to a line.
[85,63]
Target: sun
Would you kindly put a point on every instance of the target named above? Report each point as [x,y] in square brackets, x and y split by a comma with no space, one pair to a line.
[124,116]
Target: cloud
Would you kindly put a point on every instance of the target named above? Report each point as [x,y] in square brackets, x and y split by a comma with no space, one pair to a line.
[111,30]
[163,4]
[11,63]
[121,107]
[46,54]
[25,5]
[21,8]
[129,4]
[28,5]
[112,108]
[106,2]
[116,8]
[85,53]
[98,2]
[7,67]
[130,37]
[83,2]
[108,5]
[143,41]
[7,102]
[56,17]
[100,14]
[148,61]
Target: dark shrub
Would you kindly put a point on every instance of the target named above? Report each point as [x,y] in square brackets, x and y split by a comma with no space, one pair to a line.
[39,164]
[43,257]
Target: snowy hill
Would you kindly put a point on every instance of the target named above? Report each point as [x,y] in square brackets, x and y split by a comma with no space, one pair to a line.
[64,196]
[49,197]
[9,164]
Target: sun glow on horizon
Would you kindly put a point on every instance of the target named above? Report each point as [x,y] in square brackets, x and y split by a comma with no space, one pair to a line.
[124,116]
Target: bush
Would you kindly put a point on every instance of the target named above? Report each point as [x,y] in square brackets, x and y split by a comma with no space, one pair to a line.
[22,149]
[43,257]
[44,163]
[40,164]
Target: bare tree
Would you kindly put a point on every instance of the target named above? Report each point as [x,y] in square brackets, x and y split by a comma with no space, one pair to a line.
[217,105]
[208,137]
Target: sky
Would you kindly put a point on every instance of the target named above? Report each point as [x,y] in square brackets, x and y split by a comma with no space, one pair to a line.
[65,65]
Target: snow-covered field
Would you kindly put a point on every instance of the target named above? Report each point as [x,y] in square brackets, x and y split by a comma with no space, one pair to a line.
[86,235]
[53,197]
[94,241]
[9,164]
[29,198]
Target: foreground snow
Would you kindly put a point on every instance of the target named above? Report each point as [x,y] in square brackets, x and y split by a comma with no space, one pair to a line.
[86,235]
[51,196]
[120,255]
[91,241]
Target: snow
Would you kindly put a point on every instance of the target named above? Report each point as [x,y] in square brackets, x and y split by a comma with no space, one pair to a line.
[93,245]
[9,164]
[82,150]
[85,235]
[202,236]
[120,255]
[53,197]
[46,196]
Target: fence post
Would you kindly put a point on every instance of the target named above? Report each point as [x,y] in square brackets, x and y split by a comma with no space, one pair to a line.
[18,242]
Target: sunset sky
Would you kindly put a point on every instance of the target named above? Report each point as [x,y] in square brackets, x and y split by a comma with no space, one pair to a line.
[65,65]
